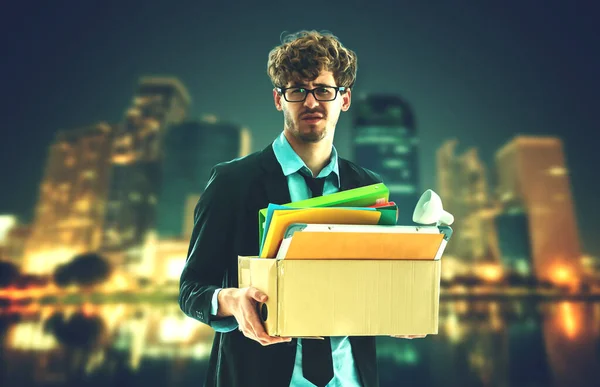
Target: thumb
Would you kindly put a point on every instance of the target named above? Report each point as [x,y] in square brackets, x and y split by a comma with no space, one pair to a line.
[258,295]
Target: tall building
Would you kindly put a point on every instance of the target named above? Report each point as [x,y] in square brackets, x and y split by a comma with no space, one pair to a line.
[191,149]
[463,188]
[384,140]
[13,236]
[70,210]
[137,159]
[7,222]
[533,178]
[515,241]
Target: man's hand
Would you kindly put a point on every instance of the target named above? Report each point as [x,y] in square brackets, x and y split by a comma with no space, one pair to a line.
[241,303]
[408,336]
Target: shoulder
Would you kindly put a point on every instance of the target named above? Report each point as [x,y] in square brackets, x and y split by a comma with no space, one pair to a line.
[228,182]
[364,175]
[236,169]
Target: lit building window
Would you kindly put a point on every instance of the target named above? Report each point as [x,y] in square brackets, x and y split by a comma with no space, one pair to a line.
[557,171]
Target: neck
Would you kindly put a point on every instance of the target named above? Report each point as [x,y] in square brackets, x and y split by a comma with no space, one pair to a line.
[316,155]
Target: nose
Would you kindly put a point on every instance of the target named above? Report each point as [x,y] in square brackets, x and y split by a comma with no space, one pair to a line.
[310,101]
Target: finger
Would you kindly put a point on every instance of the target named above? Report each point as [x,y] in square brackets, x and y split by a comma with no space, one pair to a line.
[251,320]
[255,325]
[269,340]
[409,336]
[261,335]
[257,295]
[264,338]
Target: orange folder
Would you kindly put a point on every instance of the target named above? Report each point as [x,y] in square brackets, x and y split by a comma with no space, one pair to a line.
[367,245]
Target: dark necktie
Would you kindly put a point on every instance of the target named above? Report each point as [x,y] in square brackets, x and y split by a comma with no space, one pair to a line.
[317,363]
[314,184]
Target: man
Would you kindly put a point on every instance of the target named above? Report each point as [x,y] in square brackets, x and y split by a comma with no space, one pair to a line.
[312,74]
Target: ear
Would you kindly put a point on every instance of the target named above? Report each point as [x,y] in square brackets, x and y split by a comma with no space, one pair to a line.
[346,100]
[277,100]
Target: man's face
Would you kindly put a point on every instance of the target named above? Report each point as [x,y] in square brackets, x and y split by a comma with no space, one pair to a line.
[312,120]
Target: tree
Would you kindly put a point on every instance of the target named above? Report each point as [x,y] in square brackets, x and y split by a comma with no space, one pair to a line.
[78,331]
[9,273]
[85,270]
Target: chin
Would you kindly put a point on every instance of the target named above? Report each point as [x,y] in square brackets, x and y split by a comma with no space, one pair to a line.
[312,136]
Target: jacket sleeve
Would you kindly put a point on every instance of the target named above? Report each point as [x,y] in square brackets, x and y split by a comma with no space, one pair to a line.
[211,250]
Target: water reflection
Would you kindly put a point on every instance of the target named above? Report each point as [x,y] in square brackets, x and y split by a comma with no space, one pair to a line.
[483,343]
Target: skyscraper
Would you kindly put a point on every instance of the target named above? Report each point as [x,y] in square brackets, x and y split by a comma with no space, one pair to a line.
[533,178]
[136,180]
[70,209]
[515,241]
[191,150]
[463,188]
[384,140]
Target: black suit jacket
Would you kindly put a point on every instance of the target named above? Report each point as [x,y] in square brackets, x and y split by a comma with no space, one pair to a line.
[225,226]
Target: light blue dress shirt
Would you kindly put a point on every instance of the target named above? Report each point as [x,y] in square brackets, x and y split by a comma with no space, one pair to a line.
[344,368]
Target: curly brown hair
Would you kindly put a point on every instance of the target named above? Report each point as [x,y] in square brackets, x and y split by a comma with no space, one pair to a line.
[303,55]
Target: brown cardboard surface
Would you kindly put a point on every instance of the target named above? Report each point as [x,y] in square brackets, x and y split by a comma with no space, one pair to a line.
[346,297]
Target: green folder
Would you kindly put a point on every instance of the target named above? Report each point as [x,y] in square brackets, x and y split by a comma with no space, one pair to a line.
[357,197]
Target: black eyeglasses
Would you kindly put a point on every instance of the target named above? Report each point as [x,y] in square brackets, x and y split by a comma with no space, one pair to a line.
[299,94]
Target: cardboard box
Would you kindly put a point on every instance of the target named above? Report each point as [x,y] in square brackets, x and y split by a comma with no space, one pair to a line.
[345,297]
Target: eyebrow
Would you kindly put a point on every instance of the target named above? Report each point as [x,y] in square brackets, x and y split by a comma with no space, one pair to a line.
[304,85]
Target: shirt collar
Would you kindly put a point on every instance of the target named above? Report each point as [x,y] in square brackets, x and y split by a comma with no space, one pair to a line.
[291,163]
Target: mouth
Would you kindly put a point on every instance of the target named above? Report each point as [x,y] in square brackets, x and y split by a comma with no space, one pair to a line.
[312,118]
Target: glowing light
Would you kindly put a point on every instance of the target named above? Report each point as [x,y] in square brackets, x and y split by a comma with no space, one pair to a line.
[120,282]
[175,267]
[43,262]
[562,275]
[83,205]
[453,328]
[200,351]
[134,112]
[490,272]
[176,330]
[125,158]
[89,310]
[522,267]
[557,171]
[6,223]
[569,321]
[31,336]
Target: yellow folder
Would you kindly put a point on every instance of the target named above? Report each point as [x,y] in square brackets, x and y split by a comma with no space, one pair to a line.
[282,219]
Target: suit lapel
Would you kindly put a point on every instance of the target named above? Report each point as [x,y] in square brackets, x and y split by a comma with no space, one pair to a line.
[348,179]
[273,180]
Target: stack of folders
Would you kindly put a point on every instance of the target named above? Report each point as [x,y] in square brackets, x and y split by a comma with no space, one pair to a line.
[349,241]
[352,224]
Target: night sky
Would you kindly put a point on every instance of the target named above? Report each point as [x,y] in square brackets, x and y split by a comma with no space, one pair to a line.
[477,73]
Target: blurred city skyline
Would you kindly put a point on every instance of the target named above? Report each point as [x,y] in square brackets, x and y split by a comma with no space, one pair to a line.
[492,104]
[480,75]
